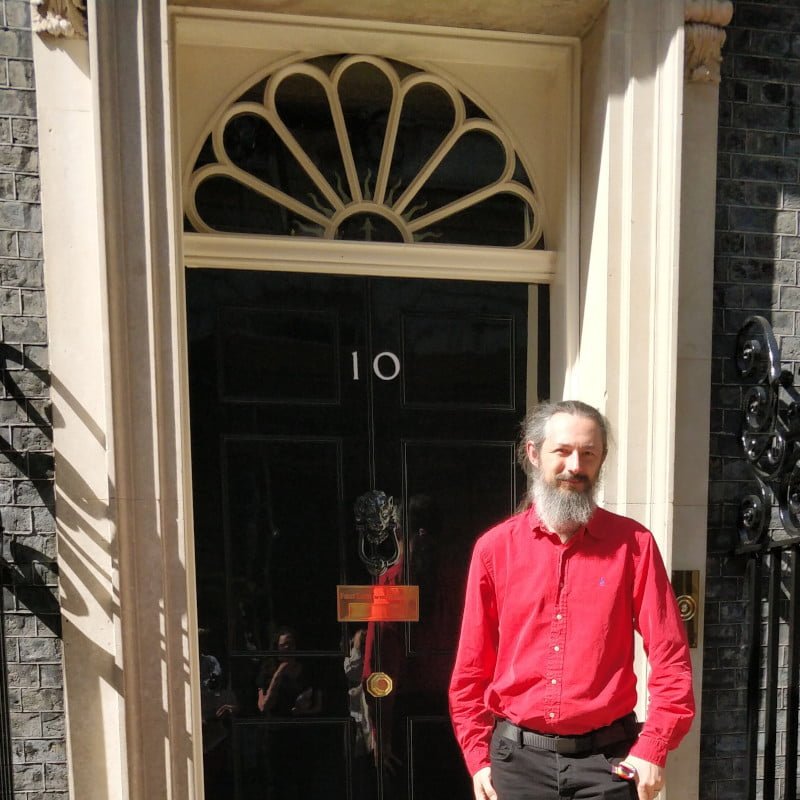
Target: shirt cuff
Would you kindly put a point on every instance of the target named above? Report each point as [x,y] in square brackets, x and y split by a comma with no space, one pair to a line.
[477,761]
[651,749]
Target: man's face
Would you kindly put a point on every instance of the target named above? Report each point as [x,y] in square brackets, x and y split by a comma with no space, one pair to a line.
[286,644]
[571,454]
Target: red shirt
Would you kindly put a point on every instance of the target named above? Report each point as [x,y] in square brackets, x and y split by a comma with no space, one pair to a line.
[547,636]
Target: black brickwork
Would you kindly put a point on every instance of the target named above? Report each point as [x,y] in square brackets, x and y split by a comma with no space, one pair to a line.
[28,565]
[756,272]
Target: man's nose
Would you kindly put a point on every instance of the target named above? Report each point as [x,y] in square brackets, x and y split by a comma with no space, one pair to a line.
[574,462]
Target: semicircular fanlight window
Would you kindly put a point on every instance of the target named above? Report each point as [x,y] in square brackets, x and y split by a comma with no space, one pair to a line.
[362,148]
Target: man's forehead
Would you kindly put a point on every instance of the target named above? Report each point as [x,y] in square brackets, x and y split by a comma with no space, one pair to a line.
[566,428]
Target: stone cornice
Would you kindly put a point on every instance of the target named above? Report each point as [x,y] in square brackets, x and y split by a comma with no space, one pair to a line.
[704,27]
[65,18]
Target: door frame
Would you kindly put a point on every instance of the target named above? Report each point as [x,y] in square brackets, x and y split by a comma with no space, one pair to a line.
[558,268]
[115,263]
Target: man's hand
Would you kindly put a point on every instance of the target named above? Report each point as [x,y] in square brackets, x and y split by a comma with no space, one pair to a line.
[649,777]
[482,785]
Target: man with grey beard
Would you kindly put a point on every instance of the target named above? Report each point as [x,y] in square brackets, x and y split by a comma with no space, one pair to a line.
[543,689]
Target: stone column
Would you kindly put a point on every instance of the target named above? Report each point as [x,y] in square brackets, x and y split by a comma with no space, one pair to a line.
[704,34]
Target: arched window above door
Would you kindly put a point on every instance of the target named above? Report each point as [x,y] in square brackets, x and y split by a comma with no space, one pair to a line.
[366,149]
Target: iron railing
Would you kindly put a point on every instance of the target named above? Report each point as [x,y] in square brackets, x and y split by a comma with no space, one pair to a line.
[770,438]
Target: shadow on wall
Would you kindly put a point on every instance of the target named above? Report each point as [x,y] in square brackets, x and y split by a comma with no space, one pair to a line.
[28,568]
[84,589]
[27,559]
[97,623]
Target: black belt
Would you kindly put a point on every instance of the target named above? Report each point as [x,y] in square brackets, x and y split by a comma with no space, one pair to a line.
[595,741]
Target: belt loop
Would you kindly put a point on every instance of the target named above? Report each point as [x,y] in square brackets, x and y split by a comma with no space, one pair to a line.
[519,736]
[509,729]
[632,727]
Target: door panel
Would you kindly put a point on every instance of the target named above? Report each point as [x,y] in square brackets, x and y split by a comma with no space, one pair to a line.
[458,362]
[436,769]
[279,355]
[305,393]
[289,760]
[267,516]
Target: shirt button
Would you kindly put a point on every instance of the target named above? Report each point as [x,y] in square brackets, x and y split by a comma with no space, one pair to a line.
[552,715]
[556,648]
[558,616]
[554,681]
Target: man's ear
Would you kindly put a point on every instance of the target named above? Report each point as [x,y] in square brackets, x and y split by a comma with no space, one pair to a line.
[532,453]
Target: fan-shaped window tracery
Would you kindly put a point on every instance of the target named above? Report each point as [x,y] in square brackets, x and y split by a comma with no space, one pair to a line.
[362,148]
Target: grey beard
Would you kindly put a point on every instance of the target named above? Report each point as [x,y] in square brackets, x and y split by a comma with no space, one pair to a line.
[562,509]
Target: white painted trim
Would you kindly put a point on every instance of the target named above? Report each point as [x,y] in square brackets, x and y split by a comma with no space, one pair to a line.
[202,26]
[565,323]
[631,266]
[79,366]
[300,254]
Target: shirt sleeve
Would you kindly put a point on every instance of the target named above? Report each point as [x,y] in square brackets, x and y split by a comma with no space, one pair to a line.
[671,704]
[474,666]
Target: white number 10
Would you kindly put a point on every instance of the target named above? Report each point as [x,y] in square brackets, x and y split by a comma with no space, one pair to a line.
[376,366]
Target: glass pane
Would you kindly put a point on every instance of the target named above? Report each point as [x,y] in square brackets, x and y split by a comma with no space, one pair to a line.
[303,107]
[503,220]
[476,160]
[426,119]
[253,146]
[228,206]
[366,96]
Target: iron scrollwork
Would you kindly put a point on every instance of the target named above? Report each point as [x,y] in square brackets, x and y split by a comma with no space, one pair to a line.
[770,435]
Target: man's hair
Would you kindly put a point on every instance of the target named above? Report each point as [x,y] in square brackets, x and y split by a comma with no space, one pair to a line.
[533,427]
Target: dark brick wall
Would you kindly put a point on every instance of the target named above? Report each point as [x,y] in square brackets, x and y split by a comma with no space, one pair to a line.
[28,555]
[756,271]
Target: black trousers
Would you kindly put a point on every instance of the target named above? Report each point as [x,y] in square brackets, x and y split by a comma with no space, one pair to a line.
[521,772]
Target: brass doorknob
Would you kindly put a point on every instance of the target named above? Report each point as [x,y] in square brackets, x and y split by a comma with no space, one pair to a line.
[379,684]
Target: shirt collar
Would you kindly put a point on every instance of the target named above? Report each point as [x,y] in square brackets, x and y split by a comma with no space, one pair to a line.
[594,528]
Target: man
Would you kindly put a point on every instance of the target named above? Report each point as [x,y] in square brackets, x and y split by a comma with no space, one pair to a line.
[543,689]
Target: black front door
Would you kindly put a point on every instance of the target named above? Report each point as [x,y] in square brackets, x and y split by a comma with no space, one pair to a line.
[308,395]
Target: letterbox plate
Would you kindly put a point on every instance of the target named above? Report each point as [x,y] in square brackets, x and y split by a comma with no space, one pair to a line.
[377,603]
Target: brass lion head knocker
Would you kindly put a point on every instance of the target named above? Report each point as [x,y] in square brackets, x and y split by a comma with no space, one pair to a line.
[378,528]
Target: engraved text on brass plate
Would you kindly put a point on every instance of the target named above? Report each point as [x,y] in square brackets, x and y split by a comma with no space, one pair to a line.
[377,603]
